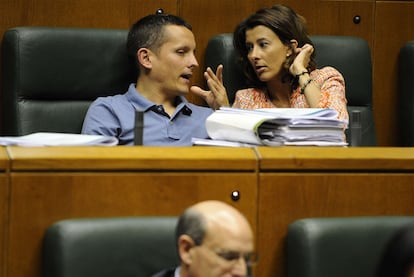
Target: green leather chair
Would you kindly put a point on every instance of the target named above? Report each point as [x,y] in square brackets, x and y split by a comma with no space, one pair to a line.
[406,94]
[340,247]
[350,55]
[100,247]
[50,75]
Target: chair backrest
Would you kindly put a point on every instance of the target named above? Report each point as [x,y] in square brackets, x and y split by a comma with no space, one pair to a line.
[50,76]
[406,93]
[340,247]
[350,55]
[123,247]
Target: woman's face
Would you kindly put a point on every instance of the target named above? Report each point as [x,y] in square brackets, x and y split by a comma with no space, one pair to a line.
[266,53]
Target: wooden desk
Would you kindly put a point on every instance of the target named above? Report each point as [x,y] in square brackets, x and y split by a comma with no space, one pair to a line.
[50,184]
[4,204]
[276,185]
[323,182]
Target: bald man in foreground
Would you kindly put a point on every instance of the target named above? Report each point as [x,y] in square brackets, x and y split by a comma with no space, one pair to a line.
[213,239]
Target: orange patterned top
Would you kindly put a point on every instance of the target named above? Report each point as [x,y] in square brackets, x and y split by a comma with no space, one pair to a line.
[330,81]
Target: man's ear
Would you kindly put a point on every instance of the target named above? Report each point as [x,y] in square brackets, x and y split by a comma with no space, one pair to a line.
[144,57]
[185,244]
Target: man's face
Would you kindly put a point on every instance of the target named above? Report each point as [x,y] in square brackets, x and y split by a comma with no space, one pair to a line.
[222,253]
[174,62]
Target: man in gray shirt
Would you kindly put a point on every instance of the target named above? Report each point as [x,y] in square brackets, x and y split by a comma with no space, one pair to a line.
[163,46]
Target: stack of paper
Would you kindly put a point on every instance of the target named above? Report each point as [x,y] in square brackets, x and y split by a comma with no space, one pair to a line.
[58,139]
[278,126]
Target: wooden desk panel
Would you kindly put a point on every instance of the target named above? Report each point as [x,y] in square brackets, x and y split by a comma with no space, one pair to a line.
[287,197]
[132,158]
[336,158]
[4,204]
[277,186]
[57,183]
[3,219]
[391,33]
[299,182]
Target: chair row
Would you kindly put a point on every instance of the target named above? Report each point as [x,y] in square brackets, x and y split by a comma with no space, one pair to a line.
[141,246]
[50,76]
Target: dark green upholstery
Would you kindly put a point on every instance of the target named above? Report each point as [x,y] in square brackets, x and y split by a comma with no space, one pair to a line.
[51,75]
[350,55]
[340,247]
[406,94]
[122,247]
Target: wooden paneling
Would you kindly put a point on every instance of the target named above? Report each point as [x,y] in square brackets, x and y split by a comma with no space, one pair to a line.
[138,9]
[277,185]
[4,206]
[210,18]
[299,182]
[393,28]
[3,220]
[285,197]
[331,159]
[334,17]
[136,158]
[43,198]
[50,184]
[78,13]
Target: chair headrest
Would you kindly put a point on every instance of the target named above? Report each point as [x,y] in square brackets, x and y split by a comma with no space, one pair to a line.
[66,63]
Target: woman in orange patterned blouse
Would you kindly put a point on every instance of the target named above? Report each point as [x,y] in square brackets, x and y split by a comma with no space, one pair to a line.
[279,63]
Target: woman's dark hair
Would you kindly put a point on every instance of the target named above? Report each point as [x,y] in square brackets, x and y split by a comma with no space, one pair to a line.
[286,24]
[398,256]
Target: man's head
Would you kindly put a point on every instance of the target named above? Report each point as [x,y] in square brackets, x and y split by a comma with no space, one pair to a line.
[163,46]
[214,240]
[148,32]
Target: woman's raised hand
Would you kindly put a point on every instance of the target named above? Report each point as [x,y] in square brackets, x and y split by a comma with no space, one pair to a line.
[302,59]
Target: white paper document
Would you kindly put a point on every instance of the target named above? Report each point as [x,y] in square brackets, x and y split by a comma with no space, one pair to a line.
[58,139]
[277,126]
[216,142]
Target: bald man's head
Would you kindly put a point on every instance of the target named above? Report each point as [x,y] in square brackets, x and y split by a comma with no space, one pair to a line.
[199,218]
[212,237]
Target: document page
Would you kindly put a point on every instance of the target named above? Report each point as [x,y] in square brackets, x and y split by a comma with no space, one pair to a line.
[58,139]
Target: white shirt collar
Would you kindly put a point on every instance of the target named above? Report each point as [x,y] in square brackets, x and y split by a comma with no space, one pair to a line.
[177,272]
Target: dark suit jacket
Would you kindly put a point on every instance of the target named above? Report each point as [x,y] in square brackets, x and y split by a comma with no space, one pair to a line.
[165,273]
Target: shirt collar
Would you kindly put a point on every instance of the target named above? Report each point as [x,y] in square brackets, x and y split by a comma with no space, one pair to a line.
[141,103]
[177,272]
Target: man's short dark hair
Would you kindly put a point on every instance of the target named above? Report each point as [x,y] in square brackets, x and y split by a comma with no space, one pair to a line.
[193,224]
[148,32]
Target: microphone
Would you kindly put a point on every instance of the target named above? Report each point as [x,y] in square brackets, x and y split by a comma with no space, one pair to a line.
[355,128]
[139,127]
